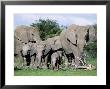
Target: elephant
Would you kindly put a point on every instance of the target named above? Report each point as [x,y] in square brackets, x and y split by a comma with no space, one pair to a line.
[40,49]
[51,45]
[22,36]
[56,60]
[32,53]
[73,41]
[27,52]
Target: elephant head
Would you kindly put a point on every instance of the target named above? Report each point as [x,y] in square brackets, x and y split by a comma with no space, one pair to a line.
[82,37]
[28,51]
[74,39]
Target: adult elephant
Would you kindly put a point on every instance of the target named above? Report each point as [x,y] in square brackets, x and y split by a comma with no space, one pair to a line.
[73,41]
[32,54]
[22,35]
[28,52]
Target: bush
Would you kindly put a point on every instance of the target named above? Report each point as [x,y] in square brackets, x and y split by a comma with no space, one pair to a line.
[91,49]
[47,28]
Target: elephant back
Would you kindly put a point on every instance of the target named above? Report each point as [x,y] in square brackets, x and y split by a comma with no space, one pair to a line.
[54,43]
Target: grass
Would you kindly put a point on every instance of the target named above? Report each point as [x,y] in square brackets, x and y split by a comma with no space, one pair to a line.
[48,72]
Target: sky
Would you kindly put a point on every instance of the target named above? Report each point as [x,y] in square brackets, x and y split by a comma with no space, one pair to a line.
[62,19]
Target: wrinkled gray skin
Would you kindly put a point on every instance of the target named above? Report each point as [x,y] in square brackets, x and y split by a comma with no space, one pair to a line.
[23,34]
[28,52]
[56,59]
[40,49]
[32,54]
[51,45]
[73,41]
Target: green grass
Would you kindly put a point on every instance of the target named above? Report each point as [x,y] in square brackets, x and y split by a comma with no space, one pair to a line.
[47,72]
[67,72]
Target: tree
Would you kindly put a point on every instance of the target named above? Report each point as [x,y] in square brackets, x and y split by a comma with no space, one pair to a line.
[91,48]
[47,28]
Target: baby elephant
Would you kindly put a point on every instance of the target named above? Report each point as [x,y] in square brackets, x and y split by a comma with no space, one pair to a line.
[56,60]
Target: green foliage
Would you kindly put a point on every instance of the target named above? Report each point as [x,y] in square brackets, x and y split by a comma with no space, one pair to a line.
[47,72]
[47,28]
[91,49]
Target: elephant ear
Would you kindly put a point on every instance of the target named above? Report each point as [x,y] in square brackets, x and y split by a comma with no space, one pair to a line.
[72,37]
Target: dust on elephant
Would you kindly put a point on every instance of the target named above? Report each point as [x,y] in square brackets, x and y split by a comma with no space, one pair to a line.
[73,41]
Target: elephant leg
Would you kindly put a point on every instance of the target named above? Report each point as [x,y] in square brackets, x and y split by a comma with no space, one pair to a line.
[83,58]
[48,61]
[36,62]
[53,64]
[69,59]
[77,61]
[57,63]
[33,59]
[76,53]
[73,62]
[28,60]
[66,62]
[39,63]
[45,62]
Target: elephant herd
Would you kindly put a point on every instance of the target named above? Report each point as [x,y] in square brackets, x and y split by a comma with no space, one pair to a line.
[66,49]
